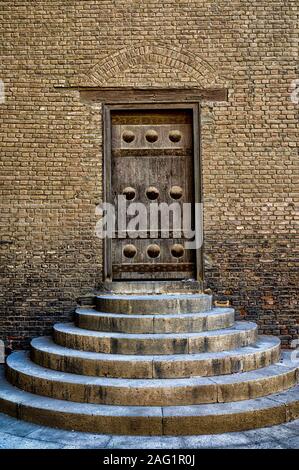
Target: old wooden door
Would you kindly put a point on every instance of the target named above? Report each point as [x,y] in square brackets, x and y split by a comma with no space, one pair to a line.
[151,161]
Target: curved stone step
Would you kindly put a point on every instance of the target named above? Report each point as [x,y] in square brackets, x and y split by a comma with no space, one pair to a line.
[264,352]
[241,334]
[153,287]
[217,318]
[28,376]
[151,304]
[132,420]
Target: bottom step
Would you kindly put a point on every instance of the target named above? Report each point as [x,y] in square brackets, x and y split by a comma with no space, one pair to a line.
[133,420]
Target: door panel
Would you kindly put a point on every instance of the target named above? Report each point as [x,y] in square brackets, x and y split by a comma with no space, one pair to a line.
[152,163]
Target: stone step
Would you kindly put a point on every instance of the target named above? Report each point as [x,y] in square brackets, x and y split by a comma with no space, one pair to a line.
[28,376]
[152,304]
[131,420]
[241,334]
[153,287]
[264,352]
[217,318]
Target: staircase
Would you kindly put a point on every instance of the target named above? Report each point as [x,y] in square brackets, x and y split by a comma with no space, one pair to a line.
[152,358]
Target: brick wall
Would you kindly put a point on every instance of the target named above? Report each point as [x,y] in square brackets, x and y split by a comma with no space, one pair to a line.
[51,146]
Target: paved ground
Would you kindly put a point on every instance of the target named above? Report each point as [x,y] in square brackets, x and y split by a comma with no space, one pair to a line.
[15,434]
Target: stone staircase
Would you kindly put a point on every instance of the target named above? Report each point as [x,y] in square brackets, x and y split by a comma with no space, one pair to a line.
[152,359]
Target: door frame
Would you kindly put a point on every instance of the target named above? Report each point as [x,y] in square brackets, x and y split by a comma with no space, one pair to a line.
[197,166]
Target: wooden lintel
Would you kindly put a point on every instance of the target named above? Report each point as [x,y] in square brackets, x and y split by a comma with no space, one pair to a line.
[131,95]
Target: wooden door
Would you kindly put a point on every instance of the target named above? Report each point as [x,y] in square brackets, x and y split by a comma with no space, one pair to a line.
[151,162]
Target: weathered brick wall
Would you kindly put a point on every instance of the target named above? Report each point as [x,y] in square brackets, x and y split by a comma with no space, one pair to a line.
[51,146]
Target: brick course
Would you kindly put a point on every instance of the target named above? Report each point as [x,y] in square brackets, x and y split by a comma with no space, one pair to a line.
[51,148]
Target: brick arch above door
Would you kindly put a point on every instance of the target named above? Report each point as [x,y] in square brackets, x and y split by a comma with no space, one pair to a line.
[148,64]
